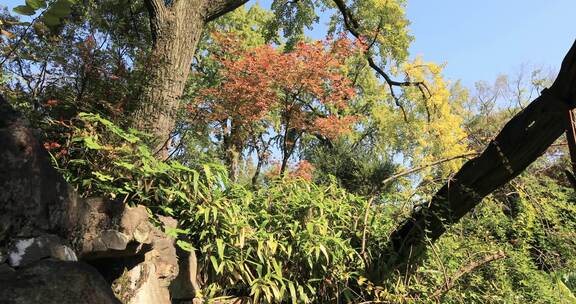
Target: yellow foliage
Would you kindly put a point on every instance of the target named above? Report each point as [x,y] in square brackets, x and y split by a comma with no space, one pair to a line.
[434,128]
[440,133]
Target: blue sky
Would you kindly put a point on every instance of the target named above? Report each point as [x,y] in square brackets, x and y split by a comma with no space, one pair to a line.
[481,39]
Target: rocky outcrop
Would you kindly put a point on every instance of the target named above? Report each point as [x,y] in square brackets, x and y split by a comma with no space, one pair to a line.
[45,228]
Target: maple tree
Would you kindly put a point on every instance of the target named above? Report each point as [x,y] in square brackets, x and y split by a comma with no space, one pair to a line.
[283,94]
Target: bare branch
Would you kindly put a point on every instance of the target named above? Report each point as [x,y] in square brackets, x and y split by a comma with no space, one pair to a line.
[449,283]
[432,164]
[353,27]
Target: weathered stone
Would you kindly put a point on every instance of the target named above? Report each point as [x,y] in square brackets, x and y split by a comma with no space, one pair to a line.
[57,282]
[114,240]
[132,218]
[142,233]
[36,201]
[148,281]
[34,197]
[186,285]
[63,253]
[5,268]
[26,251]
[168,222]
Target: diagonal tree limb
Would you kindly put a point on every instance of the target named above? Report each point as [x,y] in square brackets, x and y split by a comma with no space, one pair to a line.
[217,8]
[432,164]
[522,140]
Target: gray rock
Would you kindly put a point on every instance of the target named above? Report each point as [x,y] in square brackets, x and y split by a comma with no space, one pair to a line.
[55,282]
[27,251]
[186,284]
[114,240]
[5,268]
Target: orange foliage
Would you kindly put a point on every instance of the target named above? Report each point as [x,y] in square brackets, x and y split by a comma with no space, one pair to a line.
[299,85]
[263,88]
[304,169]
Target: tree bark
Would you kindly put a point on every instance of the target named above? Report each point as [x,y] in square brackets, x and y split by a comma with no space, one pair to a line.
[176,30]
[522,140]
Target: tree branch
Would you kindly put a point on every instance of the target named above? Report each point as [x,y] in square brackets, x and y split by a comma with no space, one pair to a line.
[217,8]
[353,27]
[416,169]
[522,140]
[449,283]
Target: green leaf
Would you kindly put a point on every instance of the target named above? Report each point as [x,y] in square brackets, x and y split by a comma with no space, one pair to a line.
[214,263]
[176,165]
[102,177]
[323,249]
[91,143]
[60,9]
[36,4]
[24,10]
[292,292]
[185,245]
[220,246]
[50,20]
[124,165]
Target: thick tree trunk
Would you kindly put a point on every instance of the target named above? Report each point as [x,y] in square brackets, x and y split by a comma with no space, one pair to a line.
[522,140]
[176,30]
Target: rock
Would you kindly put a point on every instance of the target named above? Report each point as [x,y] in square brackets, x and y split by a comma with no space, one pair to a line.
[132,218]
[148,281]
[114,240]
[42,217]
[185,286]
[34,199]
[5,268]
[26,251]
[168,222]
[57,282]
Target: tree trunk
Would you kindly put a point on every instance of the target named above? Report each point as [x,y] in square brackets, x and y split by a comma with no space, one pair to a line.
[522,140]
[176,30]
[233,161]
[232,146]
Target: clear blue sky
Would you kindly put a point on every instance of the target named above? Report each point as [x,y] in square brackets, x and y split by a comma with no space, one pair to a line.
[481,39]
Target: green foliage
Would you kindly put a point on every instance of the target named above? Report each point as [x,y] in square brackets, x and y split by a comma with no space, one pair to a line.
[297,241]
[279,243]
[52,13]
[291,240]
[101,159]
[356,170]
